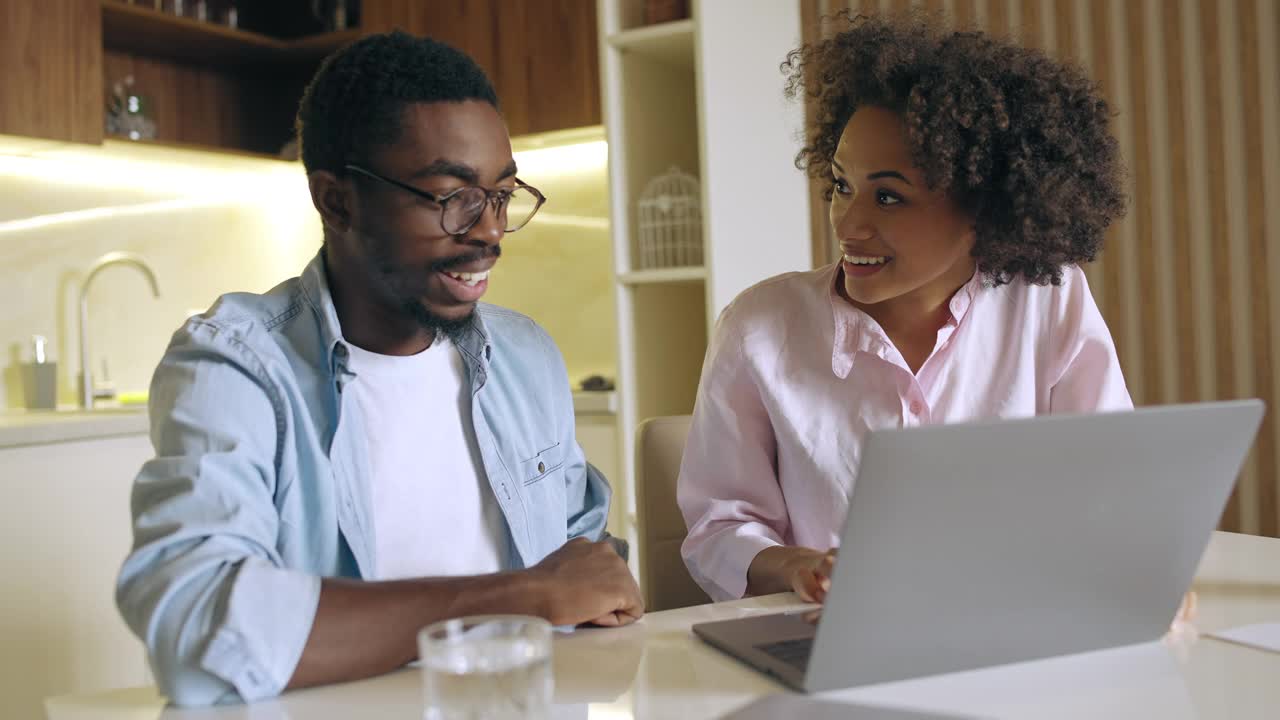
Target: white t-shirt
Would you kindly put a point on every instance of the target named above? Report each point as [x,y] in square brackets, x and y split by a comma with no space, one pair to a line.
[434,512]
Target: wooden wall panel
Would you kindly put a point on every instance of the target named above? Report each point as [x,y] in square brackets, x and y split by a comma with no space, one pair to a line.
[1188,280]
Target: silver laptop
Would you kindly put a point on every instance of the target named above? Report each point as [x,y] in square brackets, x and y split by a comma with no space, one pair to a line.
[982,544]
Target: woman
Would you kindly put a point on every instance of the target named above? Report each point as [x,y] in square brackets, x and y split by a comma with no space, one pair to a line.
[968,178]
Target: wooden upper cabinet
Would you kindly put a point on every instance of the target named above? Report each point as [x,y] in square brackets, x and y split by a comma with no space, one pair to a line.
[548,63]
[235,90]
[540,54]
[51,69]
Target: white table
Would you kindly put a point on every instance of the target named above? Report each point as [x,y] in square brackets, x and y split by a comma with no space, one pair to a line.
[657,669]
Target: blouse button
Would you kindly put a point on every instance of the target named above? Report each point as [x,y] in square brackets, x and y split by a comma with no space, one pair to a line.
[916,407]
[541,468]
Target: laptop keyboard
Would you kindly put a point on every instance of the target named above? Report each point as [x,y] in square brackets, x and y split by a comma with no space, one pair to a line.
[792,652]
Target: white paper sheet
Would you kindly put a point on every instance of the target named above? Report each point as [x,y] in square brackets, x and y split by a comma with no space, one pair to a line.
[1264,636]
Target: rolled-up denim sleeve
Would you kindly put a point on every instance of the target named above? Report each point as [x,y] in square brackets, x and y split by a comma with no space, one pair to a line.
[588,499]
[204,587]
[587,491]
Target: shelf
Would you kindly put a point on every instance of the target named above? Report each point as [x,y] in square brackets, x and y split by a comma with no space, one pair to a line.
[144,31]
[670,43]
[195,147]
[115,149]
[664,275]
[141,30]
[595,402]
[318,47]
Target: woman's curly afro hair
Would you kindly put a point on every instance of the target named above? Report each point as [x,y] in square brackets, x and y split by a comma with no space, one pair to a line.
[1019,140]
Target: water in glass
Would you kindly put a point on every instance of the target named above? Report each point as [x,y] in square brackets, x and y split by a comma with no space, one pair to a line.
[491,667]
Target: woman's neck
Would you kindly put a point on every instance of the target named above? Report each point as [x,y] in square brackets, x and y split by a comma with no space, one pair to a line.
[912,320]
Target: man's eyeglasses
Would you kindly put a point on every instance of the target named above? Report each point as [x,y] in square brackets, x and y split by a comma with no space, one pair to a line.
[461,209]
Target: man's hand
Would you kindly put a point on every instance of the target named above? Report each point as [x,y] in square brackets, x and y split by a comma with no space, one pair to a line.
[366,628]
[586,582]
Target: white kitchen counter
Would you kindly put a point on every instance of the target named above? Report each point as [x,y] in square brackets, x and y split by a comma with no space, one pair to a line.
[19,428]
[595,403]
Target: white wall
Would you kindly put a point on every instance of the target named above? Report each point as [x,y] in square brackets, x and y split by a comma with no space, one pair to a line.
[210,224]
[756,212]
[205,223]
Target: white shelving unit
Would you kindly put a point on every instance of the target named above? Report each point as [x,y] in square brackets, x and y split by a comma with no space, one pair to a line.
[671,42]
[664,275]
[704,95]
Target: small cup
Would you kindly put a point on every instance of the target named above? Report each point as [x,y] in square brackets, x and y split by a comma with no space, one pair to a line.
[40,385]
[486,666]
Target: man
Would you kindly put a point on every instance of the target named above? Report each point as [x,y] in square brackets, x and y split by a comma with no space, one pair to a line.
[364,450]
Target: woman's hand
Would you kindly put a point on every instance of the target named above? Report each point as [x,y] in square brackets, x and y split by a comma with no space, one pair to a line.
[809,574]
[1186,614]
[802,570]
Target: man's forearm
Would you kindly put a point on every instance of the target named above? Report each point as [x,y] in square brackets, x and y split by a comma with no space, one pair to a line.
[363,629]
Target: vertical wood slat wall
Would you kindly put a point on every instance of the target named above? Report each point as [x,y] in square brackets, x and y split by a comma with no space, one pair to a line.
[1190,280]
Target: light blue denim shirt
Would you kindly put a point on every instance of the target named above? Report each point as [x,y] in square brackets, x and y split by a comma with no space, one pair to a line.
[260,484]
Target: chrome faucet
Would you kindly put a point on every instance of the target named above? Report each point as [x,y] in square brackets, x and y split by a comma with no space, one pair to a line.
[102,263]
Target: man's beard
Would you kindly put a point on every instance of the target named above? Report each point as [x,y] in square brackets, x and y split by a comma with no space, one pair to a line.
[454,329]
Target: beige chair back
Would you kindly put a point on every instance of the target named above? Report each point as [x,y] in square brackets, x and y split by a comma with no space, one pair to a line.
[664,580]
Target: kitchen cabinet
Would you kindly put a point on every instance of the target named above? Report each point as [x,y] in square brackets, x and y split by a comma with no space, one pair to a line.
[541,55]
[51,69]
[65,529]
[211,86]
[204,84]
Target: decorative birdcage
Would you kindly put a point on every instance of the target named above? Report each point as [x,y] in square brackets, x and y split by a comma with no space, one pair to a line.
[670,222]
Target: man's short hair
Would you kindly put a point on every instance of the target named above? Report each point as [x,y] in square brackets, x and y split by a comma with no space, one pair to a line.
[355,101]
